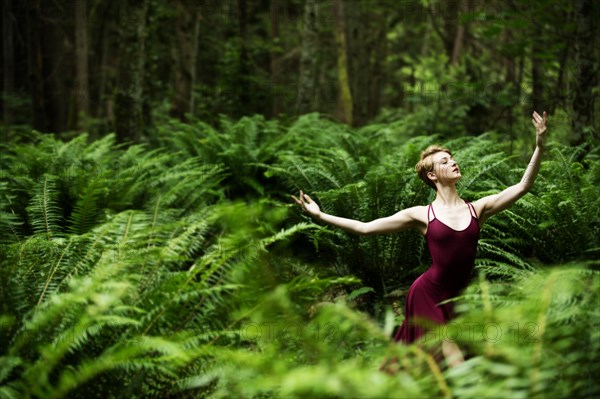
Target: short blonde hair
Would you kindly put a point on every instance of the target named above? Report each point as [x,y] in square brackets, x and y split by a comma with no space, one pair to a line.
[425,165]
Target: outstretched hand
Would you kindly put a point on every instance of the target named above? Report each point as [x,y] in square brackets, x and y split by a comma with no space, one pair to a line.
[540,128]
[308,205]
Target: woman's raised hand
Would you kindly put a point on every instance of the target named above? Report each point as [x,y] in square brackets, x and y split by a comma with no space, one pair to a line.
[308,205]
[540,128]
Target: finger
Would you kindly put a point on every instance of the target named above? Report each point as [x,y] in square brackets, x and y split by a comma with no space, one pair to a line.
[296,199]
[536,114]
[308,198]
[537,117]
[545,116]
[303,195]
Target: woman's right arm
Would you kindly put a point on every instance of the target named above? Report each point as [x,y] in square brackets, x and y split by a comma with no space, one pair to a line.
[403,220]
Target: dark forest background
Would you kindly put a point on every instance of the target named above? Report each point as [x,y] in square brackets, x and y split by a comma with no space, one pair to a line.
[101,66]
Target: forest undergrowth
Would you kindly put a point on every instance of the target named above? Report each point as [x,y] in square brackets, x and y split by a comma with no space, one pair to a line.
[182,268]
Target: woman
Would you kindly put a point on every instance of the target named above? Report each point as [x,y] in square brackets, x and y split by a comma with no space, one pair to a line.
[451,228]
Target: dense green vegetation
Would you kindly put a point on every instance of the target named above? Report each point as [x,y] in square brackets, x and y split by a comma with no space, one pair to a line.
[184,270]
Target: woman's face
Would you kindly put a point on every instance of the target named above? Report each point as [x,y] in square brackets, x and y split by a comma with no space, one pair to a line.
[445,168]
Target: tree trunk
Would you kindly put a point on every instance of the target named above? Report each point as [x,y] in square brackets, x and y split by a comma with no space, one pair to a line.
[558,98]
[128,100]
[537,91]
[359,49]
[377,76]
[103,108]
[345,94]
[48,105]
[520,71]
[509,62]
[81,55]
[459,37]
[586,72]
[36,66]
[274,52]
[8,63]
[244,99]
[450,15]
[511,78]
[308,59]
[56,66]
[184,51]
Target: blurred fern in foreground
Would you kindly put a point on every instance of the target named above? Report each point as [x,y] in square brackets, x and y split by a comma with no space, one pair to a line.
[537,337]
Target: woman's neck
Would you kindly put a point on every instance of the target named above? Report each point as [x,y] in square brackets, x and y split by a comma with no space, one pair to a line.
[448,196]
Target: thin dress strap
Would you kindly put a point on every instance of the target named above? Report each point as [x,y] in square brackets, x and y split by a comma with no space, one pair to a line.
[472,210]
[432,211]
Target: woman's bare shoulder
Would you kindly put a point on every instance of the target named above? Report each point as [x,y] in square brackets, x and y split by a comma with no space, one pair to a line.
[418,213]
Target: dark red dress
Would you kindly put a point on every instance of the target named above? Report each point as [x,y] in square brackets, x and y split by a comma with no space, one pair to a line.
[453,257]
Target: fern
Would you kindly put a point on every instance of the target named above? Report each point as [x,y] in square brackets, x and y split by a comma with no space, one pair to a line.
[86,213]
[9,220]
[43,210]
[358,292]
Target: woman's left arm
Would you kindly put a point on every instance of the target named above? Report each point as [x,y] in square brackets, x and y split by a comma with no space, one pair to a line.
[492,204]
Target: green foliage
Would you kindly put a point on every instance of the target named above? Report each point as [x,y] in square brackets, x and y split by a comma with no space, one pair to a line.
[537,337]
[9,220]
[517,344]
[185,270]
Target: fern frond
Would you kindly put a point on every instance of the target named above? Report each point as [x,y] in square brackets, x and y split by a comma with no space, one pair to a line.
[10,222]
[86,213]
[44,213]
[51,275]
